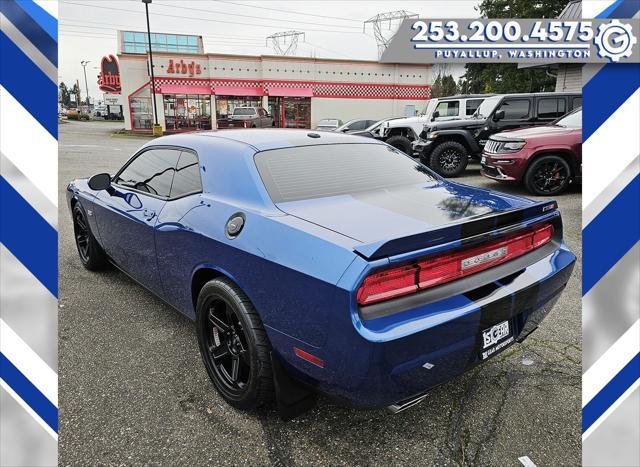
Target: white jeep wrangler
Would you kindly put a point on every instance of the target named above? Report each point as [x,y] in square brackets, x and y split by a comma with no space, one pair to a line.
[401,132]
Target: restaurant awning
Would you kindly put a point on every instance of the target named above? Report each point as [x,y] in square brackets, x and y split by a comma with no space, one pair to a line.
[237,91]
[184,89]
[289,92]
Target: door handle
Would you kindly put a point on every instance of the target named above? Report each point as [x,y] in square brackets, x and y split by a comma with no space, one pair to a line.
[149,214]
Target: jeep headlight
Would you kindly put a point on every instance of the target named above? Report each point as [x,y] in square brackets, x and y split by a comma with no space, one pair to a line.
[432,135]
[512,146]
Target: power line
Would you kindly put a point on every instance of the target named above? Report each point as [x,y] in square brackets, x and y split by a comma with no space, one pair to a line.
[133,28]
[288,11]
[201,19]
[251,16]
[91,30]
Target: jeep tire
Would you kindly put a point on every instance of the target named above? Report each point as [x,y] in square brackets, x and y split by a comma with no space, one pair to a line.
[402,143]
[449,159]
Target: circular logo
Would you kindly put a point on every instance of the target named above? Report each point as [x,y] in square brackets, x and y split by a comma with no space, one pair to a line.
[615,40]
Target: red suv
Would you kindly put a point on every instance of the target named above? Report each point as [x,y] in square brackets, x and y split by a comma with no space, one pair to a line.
[546,158]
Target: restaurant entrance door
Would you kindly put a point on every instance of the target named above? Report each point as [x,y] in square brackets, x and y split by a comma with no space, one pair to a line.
[290,112]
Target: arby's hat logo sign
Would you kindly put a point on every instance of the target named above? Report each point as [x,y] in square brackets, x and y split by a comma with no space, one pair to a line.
[109,77]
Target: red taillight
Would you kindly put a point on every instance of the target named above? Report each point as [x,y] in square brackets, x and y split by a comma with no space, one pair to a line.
[407,279]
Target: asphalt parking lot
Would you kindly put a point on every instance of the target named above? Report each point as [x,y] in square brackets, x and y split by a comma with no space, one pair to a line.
[133,389]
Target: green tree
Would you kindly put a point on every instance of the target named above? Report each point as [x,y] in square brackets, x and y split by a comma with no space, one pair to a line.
[65,100]
[443,85]
[506,78]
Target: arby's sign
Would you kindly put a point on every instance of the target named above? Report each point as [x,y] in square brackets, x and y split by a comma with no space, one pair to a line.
[109,77]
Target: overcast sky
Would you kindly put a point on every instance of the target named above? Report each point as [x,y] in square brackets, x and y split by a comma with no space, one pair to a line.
[333,29]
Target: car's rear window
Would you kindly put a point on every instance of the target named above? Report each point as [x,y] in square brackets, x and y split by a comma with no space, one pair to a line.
[307,172]
[244,111]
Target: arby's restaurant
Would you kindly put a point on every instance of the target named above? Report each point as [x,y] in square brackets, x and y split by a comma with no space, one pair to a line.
[194,89]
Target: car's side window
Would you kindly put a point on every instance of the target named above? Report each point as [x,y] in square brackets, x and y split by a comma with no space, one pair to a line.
[577,102]
[472,106]
[151,171]
[551,108]
[448,108]
[515,109]
[359,125]
[187,178]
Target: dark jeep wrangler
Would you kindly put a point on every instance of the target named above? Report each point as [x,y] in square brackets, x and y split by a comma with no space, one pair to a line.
[447,146]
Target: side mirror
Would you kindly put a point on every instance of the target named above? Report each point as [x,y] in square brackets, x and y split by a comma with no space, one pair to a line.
[435,115]
[499,115]
[100,182]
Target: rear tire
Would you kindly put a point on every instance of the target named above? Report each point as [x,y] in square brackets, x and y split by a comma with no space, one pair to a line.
[234,345]
[402,143]
[548,175]
[91,254]
[449,159]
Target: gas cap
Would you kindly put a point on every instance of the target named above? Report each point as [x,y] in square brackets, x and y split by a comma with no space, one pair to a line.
[234,225]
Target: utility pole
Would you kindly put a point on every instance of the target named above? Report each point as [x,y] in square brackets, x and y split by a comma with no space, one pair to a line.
[84,64]
[78,96]
[157,129]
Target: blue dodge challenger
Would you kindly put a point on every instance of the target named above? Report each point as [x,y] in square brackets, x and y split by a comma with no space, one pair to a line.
[323,263]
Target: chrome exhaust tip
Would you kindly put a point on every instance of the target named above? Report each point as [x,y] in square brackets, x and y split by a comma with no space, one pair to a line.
[404,405]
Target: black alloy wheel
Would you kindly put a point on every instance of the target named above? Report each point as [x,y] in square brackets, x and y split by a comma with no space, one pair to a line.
[449,159]
[234,345]
[227,346]
[81,230]
[91,255]
[548,175]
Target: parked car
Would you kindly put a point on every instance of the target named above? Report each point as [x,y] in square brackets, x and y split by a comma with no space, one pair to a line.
[447,146]
[400,133]
[373,131]
[355,125]
[329,124]
[247,117]
[546,158]
[320,261]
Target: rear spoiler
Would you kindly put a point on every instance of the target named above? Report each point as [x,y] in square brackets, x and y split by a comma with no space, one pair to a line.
[460,231]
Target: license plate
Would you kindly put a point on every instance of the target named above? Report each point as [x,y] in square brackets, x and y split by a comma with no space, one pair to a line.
[496,338]
[483,258]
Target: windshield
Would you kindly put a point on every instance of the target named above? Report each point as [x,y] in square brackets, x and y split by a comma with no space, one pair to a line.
[573,120]
[244,111]
[328,122]
[487,107]
[307,172]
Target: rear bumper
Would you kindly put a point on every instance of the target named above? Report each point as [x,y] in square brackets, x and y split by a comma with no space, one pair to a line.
[396,358]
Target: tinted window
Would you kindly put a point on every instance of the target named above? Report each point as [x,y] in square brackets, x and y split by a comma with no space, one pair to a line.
[359,125]
[448,109]
[577,102]
[515,109]
[472,105]
[244,111]
[187,177]
[152,172]
[551,108]
[307,172]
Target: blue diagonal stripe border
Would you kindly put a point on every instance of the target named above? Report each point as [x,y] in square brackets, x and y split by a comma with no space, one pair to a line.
[28,236]
[28,393]
[30,28]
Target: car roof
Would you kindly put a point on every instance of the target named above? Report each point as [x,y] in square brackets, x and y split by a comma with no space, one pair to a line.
[261,139]
[464,96]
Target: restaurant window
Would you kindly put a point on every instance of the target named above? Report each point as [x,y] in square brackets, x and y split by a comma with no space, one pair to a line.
[140,104]
[186,112]
[137,43]
[226,104]
[290,112]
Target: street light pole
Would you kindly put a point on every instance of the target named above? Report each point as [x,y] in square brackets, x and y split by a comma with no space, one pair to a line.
[84,64]
[157,129]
